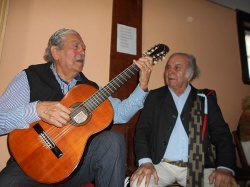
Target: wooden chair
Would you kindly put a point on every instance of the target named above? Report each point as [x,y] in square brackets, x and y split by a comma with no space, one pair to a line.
[243,172]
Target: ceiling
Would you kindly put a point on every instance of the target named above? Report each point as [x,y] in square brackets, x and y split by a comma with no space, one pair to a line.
[243,5]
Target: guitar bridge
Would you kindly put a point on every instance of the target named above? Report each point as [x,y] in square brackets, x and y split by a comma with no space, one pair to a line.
[47,141]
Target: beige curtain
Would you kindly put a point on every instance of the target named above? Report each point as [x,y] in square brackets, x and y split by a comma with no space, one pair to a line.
[4,7]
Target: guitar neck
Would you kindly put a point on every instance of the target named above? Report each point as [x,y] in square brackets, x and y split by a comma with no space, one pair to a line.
[96,99]
[157,53]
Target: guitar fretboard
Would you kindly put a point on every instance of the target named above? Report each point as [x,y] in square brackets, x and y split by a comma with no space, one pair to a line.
[96,99]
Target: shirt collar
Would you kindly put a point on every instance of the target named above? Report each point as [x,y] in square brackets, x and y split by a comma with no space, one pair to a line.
[77,77]
[186,91]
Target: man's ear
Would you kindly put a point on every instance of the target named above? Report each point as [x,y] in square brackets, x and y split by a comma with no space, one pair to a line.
[190,76]
[55,52]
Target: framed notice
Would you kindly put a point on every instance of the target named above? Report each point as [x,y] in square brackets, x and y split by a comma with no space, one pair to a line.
[126,39]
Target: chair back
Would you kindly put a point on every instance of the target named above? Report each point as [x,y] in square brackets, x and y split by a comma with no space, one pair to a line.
[241,154]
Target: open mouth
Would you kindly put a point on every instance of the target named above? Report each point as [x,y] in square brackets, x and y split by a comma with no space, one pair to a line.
[171,78]
[81,61]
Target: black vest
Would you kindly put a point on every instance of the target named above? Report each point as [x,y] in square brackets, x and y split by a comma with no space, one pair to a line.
[43,84]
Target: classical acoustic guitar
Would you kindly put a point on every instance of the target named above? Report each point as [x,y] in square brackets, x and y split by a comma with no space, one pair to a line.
[49,154]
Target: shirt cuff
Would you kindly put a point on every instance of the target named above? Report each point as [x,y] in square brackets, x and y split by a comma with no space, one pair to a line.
[144,160]
[222,167]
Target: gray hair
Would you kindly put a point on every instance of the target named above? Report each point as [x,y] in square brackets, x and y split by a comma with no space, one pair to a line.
[57,39]
[192,66]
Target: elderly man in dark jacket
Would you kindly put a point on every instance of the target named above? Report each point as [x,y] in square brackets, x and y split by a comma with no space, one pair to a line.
[178,131]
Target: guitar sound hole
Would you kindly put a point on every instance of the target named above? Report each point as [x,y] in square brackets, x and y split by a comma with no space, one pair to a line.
[79,116]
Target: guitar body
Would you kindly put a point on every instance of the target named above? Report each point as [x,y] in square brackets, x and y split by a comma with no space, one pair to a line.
[52,165]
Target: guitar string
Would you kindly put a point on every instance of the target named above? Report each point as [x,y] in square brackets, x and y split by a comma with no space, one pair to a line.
[62,133]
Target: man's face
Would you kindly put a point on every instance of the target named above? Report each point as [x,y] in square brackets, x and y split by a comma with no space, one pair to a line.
[71,56]
[176,73]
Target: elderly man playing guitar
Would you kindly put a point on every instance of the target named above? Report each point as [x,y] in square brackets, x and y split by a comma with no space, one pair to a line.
[57,120]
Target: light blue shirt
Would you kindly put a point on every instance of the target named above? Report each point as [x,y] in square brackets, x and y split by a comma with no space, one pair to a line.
[17,112]
[177,148]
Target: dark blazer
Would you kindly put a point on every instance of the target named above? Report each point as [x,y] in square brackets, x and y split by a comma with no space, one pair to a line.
[157,121]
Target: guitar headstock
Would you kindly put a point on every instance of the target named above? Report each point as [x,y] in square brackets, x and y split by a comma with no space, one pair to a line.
[158,52]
